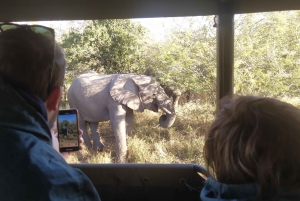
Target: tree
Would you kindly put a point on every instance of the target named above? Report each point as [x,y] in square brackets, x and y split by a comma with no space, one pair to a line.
[106,46]
[267,54]
[186,59]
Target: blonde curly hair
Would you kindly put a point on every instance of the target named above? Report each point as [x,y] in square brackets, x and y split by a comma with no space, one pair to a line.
[255,139]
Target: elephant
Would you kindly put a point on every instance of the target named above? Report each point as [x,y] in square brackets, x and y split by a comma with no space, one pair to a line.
[114,97]
[173,93]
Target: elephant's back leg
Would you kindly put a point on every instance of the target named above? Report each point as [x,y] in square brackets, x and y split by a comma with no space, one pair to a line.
[129,120]
[85,135]
[97,144]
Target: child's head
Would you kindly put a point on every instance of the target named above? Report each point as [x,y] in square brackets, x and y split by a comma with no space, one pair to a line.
[255,139]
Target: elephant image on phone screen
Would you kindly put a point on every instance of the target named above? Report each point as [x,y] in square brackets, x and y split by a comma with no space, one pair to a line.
[114,97]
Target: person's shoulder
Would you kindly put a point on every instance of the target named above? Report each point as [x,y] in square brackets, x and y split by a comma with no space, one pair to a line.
[214,190]
[34,166]
[288,195]
[64,181]
[57,178]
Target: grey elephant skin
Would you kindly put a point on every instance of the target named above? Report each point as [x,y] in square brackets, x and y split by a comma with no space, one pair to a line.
[114,97]
[173,93]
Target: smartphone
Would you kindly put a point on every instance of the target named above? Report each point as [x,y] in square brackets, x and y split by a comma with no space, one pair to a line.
[68,130]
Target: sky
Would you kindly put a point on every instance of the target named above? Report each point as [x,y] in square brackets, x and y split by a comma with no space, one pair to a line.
[157,26]
[68,117]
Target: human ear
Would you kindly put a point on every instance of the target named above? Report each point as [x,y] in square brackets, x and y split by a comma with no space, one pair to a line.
[52,102]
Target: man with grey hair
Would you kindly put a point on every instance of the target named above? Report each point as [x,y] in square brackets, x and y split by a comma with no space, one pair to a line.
[32,69]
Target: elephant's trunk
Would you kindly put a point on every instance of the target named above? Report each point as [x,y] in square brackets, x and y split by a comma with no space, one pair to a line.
[167,120]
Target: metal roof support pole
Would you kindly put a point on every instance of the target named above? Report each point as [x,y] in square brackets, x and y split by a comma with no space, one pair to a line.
[225,49]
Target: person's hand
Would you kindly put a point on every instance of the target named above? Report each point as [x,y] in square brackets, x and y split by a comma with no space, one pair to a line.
[55,142]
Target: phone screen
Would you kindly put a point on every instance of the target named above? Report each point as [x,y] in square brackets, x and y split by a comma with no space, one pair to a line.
[68,135]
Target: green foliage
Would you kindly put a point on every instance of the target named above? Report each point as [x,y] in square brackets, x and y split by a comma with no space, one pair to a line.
[70,125]
[267,59]
[65,123]
[106,46]
[267,54]
[187,58]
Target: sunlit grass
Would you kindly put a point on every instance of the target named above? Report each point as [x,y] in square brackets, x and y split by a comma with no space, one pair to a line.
[292,100]
[150,143]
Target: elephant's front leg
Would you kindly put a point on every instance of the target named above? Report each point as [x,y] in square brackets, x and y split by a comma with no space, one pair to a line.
[97,144]
[118,124]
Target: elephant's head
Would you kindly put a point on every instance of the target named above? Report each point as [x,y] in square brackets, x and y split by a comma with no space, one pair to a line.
[141,92]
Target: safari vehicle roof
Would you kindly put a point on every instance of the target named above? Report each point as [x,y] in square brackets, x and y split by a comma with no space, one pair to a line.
[39,10]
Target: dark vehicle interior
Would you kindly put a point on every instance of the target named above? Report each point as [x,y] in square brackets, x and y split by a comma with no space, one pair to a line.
[150,181]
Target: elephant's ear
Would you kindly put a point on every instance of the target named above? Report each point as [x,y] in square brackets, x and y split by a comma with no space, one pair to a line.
[148,89]
[124,90]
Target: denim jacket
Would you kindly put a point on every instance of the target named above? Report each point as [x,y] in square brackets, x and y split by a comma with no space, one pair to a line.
[214,190]
[30,168]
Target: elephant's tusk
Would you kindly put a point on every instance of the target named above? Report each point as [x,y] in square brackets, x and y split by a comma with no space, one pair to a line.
[166,111]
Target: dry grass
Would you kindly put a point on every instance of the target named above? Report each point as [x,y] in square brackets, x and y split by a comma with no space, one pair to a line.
[292,100]
[150,143]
